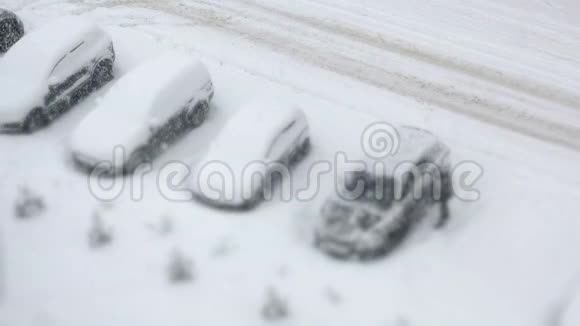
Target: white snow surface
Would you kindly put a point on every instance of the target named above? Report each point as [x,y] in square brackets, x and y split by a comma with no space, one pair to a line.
[26,68]
[144,98]
[570,308]
[495,80]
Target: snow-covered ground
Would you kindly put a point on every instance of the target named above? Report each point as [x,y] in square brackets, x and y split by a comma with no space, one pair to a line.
[496,80]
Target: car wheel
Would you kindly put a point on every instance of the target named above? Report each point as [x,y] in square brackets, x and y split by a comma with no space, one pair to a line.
[13,31]
[198,115]
[103,73]
[35,120]
[138,157]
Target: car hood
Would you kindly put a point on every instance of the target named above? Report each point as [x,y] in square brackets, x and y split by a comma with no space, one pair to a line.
[111,140]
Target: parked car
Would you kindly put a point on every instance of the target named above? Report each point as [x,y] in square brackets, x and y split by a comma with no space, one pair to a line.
[376,208]
[147,109]
[263,139]
[11,29]
[51,69]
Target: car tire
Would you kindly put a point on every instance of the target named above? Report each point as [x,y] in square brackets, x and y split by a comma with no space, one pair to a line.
[35,120]
[14,30]
[198,114]
[138,157]
[103,73]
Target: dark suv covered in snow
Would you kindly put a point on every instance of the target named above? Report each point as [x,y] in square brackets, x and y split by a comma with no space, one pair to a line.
[11,29]
[375,209]
[50,70]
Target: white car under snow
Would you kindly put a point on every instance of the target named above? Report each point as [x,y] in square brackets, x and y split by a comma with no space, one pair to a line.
[50,69]
[258,145]
[145,110]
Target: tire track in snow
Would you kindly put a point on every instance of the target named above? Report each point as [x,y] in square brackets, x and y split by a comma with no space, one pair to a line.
[402,47]
[242,23]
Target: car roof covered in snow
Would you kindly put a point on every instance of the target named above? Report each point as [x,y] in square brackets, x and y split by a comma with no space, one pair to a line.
[164,83]
[41,49]
[26,67]
[158,84]
[413,145]
[249,132]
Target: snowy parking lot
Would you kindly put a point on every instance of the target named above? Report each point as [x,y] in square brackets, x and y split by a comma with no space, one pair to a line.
[496,81]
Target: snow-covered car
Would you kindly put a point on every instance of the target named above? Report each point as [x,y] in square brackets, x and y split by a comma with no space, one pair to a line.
[143,112]
[257,147]
[11,30]
[50,70]
[376,208]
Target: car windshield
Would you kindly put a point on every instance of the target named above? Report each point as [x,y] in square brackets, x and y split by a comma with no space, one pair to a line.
[376,190]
